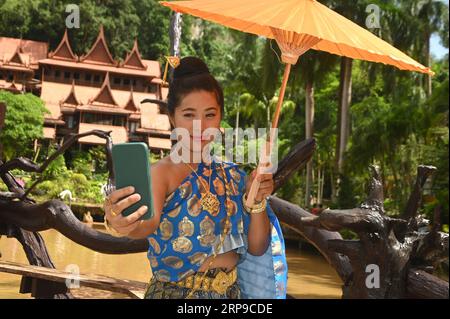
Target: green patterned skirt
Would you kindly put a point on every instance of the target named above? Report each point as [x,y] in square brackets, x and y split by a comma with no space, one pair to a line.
[167,290]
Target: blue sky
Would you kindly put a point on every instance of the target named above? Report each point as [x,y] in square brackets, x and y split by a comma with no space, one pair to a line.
[437,49]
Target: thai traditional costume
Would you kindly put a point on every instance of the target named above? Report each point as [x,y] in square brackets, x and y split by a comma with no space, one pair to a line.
[188,234]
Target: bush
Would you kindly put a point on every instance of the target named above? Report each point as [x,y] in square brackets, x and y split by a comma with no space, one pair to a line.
[98,154]
[82,163]
[49,189]
[78,184]
[83,189]
[23,123]
[57,168]
[92,192]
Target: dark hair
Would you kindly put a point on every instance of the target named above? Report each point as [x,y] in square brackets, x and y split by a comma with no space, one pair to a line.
[192,74]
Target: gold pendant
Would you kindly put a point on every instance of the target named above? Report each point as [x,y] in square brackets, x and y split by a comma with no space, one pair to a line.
[166,229]
[182,245]
[207,236]
[210,203]
[173,261]
[186,227]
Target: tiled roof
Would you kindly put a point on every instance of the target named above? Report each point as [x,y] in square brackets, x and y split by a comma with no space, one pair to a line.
[71,99]
[99,58]
[131,104]
[133,59]
[11,86]
[103,109]
[152,69]
[63,50]
[99,52]
[15,67]
[30,51]
[104,96]
[54,94]
[62,97]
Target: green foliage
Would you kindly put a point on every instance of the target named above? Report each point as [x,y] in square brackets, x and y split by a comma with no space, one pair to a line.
[123,21]
[445,228]
[82,188]
[79,180]
[50,189]
[392,122]
[57,168]
[99,155]
[82,163]
[436,148]
[348,234]
[23,123]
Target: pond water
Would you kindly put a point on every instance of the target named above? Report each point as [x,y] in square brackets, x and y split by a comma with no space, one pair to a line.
[310,276]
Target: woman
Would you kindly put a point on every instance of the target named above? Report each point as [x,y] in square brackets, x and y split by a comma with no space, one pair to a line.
[204,242]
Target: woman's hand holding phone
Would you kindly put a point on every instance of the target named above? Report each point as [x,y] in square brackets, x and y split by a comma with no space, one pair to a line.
[116,202]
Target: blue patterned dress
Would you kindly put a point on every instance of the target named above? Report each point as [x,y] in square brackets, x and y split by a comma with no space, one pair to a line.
[187,235]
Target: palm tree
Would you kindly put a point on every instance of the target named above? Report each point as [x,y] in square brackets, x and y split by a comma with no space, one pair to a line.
[357,13]
[429,15]
[311,68]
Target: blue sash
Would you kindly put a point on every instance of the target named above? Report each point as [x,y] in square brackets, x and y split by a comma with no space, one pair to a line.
[265,277]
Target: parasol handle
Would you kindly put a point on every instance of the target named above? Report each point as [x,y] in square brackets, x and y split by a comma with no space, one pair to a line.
[261,166]
[255,184]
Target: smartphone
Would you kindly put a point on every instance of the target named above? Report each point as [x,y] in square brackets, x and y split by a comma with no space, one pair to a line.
[131,165]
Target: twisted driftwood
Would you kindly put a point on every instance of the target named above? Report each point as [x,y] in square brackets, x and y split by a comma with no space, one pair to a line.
[21,217]
[387,242]
[396,247]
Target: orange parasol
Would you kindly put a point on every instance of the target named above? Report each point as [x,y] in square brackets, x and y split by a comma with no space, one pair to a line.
[297,26]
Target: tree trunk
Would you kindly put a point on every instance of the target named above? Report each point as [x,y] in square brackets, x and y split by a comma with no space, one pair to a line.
[322,182]
[333,181]
[428,62]
[343,125]
[237,128]
[2,122]
[318,184]
[309,128]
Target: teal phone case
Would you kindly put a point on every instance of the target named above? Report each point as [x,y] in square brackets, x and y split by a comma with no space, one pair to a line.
[131,166]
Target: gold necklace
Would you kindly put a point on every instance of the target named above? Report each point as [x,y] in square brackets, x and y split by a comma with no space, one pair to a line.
[208,200]
[226,229]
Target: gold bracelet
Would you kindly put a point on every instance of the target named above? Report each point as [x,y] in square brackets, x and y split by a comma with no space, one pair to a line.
[256,209]
[110,229]
[257,205]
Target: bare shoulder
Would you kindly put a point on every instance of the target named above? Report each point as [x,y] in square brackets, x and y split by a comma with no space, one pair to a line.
[160,168]
[161,171]
[163,163]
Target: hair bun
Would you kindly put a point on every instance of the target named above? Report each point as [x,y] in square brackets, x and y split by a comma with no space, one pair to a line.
[190,66]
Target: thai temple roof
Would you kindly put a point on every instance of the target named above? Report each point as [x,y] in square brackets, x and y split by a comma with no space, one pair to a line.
[21,55]
[68,95]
